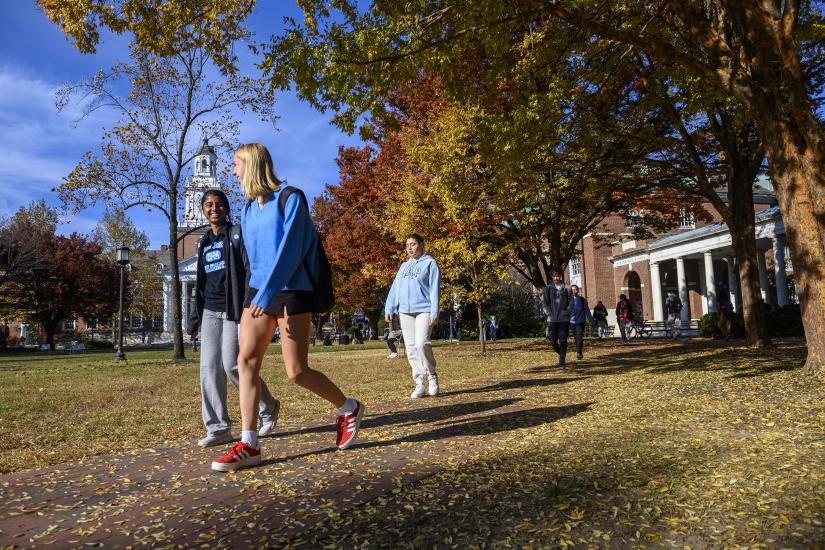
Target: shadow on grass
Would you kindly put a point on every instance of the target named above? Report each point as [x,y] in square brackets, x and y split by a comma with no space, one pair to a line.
[668,357]
[473,427]
[415,416]
[515,385]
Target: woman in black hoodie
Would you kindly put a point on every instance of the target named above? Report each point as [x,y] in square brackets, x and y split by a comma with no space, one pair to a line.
[220,290]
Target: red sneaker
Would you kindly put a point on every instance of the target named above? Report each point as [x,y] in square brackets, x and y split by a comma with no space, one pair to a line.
[240,456]
[348,425]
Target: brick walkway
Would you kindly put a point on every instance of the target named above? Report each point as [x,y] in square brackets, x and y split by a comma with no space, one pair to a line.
[169,495]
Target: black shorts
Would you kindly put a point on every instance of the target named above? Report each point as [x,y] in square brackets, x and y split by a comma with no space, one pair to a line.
[295,301]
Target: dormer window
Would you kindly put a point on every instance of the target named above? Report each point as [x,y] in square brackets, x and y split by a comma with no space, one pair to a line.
[686,219]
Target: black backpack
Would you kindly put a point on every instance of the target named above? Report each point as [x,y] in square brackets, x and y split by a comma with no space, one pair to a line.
[318,268]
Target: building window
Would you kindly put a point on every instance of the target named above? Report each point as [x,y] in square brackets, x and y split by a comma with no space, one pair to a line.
[91,323]
[159,268]
[788,262]
[136,320]
[68,324]
[575,266]
[157,321]
[686,219]
[634,218]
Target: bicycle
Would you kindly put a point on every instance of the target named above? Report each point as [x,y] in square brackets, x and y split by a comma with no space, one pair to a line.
[639,330]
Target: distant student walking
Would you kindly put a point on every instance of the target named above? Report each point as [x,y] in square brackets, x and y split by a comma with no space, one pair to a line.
[220,285]
[624,316]
[281,243]
[414,296]
[600,319]
[558,303]
[579,314]
[673,305]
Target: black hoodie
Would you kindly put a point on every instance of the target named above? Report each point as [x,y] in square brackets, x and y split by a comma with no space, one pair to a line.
[237,275]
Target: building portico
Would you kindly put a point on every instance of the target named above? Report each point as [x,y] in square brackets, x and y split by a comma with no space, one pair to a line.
[700,267]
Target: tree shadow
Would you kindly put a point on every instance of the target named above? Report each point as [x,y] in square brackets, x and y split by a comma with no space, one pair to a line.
[516,384]
[488,425]
[424,414]
[739,361]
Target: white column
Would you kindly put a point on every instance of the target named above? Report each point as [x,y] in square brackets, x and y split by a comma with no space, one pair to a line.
[779,270]
[683,289]
[710,282]
[763,276]
[656,291]
[703,287]
[733,284]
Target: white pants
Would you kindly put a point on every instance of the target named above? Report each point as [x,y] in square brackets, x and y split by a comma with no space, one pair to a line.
[416,330]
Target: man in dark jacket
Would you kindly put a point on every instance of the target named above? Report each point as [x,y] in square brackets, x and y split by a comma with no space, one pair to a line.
[558,302]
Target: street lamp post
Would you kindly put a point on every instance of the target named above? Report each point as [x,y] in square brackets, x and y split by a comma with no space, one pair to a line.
[123,260]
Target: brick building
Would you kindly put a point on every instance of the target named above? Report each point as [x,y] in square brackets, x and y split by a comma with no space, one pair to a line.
[694,260]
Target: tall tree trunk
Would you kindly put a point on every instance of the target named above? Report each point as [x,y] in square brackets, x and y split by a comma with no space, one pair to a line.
[177,306]
[795,146]
[481,338]
[741,223]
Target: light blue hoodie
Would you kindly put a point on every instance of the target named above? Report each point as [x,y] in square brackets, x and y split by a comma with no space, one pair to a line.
[415,288]
[276,246]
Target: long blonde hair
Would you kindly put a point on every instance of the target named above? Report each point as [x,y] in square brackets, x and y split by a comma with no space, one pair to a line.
[259,175]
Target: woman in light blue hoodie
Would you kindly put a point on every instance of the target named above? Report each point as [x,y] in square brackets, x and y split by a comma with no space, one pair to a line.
[414,296]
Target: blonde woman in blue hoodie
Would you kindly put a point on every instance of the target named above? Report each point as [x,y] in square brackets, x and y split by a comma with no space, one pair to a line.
[414,297]
[279,292]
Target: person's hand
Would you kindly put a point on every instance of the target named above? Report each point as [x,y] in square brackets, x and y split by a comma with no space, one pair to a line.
[256,311]
[388,318]
[433,321]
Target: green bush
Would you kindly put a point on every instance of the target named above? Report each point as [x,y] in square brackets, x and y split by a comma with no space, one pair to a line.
[707,326]
[786,321]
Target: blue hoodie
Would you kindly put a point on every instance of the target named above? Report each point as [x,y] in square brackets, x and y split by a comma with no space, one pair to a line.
[276,246]
[415,288]
[580,311]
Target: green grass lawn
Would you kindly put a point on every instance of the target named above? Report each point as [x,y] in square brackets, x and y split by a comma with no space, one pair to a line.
[60,407]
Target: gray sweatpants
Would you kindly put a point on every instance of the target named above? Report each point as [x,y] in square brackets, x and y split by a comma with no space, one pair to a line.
[219,361]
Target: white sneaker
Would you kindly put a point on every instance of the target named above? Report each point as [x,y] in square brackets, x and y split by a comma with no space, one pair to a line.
[432,388]
[418,392]
[212,440]
[392,356]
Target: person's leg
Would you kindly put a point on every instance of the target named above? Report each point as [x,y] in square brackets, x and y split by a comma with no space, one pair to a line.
[391,346]
[623,331]
[554,336]
[212,376]
[423,344]
[411,347]
[578,336]
[562,332]
[424,347]
[295,350]
[255,336]
[268,405]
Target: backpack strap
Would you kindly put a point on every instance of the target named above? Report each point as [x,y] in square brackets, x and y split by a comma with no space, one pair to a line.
[285,194]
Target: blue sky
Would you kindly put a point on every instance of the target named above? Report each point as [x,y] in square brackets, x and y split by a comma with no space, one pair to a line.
[38,145]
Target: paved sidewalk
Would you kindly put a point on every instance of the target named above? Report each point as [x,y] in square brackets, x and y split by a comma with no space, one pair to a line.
[169,496]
